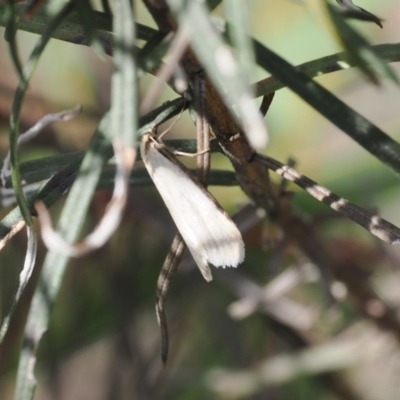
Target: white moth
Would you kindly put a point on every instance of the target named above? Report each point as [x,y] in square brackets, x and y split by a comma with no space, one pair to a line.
[210,235]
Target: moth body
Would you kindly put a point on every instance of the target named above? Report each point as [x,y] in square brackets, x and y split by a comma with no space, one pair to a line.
[209,233]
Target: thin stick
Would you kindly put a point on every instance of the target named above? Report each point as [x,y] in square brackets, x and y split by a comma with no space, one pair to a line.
[34,131]
[378,226]
[203,131]
[170,266]
[266,103]
[178,246]
[173,123]
[176,51]
[174,257]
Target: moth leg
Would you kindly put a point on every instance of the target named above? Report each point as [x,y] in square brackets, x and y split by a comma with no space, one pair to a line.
[173,123]
[182,153]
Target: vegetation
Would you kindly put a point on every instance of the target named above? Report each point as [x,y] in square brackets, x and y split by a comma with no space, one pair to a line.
[311,311]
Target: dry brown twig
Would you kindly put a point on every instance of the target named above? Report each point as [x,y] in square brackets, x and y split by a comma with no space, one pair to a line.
[177,249]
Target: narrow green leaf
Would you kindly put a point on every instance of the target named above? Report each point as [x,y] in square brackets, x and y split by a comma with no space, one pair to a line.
[17,105]
[336,62]
[43,168]
[150,56]
[360,53]
[106,7]
[140,177]
[29,263]
[10,37]
[85,13]
[71,30]
[345,118]
[236,12]
[213,4]
[124,95]
[353,11]
[49,193]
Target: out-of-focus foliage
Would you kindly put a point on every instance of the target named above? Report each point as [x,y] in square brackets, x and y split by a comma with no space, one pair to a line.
[312,313]
[358,49]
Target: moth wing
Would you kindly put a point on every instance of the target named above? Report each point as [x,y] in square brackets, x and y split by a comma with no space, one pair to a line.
[209,233]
